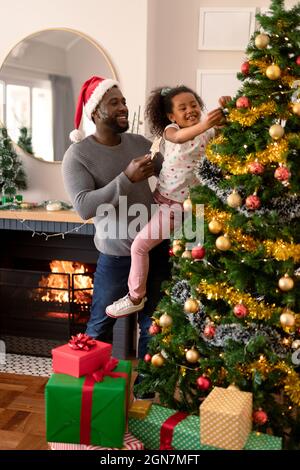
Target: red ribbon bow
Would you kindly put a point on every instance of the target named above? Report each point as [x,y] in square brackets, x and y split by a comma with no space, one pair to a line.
[82,342]
[87,396]
[167,430]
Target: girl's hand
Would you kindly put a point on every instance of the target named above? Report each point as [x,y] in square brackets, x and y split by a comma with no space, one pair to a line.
[223,100]
[213,118]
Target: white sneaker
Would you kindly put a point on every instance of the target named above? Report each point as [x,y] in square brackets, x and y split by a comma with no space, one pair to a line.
[124,307]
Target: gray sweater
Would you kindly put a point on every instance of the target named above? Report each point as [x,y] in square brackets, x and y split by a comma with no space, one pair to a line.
[94,175]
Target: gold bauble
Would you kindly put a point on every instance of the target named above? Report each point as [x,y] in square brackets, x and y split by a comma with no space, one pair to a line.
[187,205]
[296,109]
[165,320]
[187,254]
[177,242]
[261,41]
[286,283]
[287,318]
[191,305]
[157,360]
[276,131]
[234,199]
[273,72]
[223,243]
[192,355]
[177,250]
[215,226]
[296,344]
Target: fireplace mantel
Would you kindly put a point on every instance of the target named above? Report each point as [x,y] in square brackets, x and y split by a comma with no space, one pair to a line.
[41,220]
[43,215]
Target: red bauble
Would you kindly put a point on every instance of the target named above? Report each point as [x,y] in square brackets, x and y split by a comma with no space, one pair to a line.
[171,252]
[154,329]
[256,168]
[260,417]
[147,357]
[245,67]
[203,382]
[253,202]
[198,252]
[282,173]
[242,102]
[298,60]
[209,331]
[240,311]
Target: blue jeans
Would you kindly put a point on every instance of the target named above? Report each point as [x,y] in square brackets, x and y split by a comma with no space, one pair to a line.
[110,283]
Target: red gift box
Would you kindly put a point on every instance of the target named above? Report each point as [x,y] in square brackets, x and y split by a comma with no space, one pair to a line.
[130,443]
[81,361]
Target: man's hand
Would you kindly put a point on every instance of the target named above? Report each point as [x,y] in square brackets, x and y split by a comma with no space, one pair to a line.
[140,169]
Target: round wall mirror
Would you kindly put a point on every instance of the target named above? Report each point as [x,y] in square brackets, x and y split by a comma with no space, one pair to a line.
[40,81]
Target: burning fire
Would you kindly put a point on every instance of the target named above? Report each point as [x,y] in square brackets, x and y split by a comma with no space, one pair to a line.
[58,280]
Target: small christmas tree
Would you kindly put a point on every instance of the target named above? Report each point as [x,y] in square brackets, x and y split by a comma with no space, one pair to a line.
[231,311]
[12,175]
[25,140]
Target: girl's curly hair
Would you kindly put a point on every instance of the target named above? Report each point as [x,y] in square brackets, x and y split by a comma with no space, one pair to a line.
[160,104]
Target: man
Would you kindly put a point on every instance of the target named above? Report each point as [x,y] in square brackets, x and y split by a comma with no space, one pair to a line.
[97,171]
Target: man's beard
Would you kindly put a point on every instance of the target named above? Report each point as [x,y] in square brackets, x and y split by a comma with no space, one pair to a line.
[112,123]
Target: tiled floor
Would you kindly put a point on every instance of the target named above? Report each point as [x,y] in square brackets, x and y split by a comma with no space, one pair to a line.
[27,365]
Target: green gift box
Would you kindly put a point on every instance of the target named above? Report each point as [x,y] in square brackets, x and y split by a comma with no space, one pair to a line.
[186,434]
[64,398]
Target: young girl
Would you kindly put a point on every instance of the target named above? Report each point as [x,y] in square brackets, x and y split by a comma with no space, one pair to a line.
[174,114]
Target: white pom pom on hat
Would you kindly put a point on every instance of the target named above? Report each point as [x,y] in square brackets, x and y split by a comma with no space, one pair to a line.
[91,93]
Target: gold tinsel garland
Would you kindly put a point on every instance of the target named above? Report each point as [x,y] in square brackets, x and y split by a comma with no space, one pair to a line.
[262,65]
[279,249]
[276,152]
[249,117]
[291,380]
[258,310]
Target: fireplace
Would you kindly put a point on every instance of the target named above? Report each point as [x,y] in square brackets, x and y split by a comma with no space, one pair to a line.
[46,291]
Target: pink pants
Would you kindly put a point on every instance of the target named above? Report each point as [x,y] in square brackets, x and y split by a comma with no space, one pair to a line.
[166,219]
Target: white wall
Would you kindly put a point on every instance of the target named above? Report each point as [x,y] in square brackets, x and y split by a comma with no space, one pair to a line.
[174,40]
[119,26]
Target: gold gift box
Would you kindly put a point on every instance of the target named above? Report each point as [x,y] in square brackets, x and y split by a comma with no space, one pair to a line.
[139,409]
[226,418]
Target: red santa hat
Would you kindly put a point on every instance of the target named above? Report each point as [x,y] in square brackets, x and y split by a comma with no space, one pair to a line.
[91,93]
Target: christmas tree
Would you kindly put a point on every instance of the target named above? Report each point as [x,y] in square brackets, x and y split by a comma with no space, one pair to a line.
[12,175]
[231,314]
[25,140]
